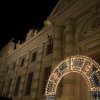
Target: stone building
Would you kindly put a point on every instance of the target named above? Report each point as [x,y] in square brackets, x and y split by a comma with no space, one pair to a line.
[71,32]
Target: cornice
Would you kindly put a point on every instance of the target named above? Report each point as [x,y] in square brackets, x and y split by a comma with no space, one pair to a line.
[73,11]
[26,43]
[88,40]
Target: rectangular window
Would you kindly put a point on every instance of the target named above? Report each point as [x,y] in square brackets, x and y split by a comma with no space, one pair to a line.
[29,83]
[33,58]
[22,62]
[7,69]
[17,85]
[8,87]
[2,88]
[47,72]
[49,49]
[14,65]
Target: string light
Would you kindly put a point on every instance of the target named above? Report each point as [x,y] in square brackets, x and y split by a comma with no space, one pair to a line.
[80,64]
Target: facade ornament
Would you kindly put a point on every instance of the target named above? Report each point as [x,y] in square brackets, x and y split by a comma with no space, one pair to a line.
[47,22]
[18,44]
[30,34]
[50,40]
[35,32]
[81,64]
[92,29]
[12,39]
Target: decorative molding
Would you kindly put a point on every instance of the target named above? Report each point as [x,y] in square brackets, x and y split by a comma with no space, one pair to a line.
[92,28]
[61,5]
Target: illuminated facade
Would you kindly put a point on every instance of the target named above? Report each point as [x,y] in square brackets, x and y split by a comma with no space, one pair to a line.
[63,49]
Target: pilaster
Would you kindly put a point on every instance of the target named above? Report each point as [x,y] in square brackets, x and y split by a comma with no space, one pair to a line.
[69,38]
[57,45]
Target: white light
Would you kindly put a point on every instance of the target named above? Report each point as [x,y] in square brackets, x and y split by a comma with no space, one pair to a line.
[87,77]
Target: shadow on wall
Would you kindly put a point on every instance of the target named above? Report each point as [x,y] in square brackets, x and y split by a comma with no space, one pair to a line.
[5,98]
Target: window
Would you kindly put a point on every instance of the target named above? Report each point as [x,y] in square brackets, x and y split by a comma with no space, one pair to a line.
[29,83]
[14,65]
[7,69]
[47,72]
[49,49]
[2,88]
[22,62]
[17,85]
[8,87]
[33,58]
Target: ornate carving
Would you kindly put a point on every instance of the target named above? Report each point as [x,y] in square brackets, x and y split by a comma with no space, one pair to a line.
[31,33]
[92,28]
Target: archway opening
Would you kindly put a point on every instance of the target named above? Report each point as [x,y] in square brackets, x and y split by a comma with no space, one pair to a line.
[73,86]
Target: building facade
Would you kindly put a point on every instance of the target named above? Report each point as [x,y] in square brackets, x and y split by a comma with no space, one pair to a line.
[72,28]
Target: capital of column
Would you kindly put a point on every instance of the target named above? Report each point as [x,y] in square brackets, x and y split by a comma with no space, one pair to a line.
[69,22]
[58,30]
[69,25]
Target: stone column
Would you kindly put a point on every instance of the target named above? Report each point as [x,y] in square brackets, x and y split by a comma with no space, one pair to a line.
[57,45]
[69,38]
[68,89]
[68,41]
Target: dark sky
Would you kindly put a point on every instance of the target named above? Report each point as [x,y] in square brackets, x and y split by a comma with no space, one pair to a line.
[17,17]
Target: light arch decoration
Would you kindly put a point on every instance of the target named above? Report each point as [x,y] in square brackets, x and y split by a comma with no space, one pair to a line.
[84,65]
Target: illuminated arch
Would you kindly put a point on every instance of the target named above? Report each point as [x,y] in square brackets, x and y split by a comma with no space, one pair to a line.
[84,65]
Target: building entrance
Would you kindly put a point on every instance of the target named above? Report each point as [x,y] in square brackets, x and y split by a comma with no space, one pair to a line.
[83,65]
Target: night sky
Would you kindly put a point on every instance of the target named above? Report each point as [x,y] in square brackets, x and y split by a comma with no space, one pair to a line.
[17,18]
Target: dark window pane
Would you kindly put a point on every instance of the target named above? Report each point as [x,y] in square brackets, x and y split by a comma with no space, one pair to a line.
[8,87]
[7,69]
[17,85]
[33,56]
[47,72]
[49,49]
[29,83]
[2,88]
[14,65]
[22,62]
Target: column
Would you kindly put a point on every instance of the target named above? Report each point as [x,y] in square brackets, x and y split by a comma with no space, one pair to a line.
[68,43]
[69,38]
[68,88]
[57,45]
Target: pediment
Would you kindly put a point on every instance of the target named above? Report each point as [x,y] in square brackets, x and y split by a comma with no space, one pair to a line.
[61,5]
